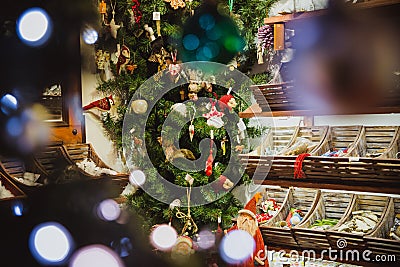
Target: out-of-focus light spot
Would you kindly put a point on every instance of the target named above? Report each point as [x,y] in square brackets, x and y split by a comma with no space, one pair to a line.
[191,42]
[237,246]
[14,127]
[137,178]
[214,34]
[123,247]
[233,44]
[163,237]
[34,26]
[8,104]
[90,35]
[206,239]
[207,22]
[95,256]
[108,210]
[50,243]
[17,208]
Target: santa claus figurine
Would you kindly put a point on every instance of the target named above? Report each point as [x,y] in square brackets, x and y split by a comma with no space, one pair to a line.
[247,221]
[227,101]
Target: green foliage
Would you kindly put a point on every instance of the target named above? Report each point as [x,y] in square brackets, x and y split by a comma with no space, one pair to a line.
[249,15]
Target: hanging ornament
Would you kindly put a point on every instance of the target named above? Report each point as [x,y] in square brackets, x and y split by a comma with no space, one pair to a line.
[193,89]
[139,106]
[123,59]
[103,104]
[214,117]
[210,159]
[157,18]
[223,145]
[150,32]
[223,183]
[113,26]
[242,127]
[102,9]
[175,4]
[174,68]
[191,131]
[136,12]
[190,225]
[182,93]
[227,101]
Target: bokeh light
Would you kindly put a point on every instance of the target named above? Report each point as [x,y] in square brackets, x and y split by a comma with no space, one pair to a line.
[50,243]
[207,22]
[123,247]
[34,27]
[17,208]
[137,178]
[14,127]
[163,237]
[8,104]
[95,256]
[90,35]
[191,42]
[206,239]
[236,246]
[108,210]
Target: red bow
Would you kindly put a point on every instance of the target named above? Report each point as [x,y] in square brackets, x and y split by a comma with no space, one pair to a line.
[136,11]
[298,166]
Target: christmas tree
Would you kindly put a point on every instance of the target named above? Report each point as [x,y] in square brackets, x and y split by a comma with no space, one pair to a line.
[177,123]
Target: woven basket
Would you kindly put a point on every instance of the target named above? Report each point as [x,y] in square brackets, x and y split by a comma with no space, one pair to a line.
[314,134]
[300,198]
[378,240]
[9,185]
[14,168]
[276,139]
[79,152]
[377,142]
[331,205]
[340,137]
[377,204]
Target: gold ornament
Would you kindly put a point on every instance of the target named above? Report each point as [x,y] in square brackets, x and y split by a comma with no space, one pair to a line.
[175,4]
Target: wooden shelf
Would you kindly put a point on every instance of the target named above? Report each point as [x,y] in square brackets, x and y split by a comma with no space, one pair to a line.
[255,111]
[307,14]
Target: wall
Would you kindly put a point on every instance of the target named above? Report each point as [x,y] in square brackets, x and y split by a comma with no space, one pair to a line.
[95,133]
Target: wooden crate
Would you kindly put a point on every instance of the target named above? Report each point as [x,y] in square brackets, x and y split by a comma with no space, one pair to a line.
[377,142]
[378,241]
[277,193]
[314,134]
[79,152]
[340,137]
[276,139]
[300,198]
[277,97]
[12,187]
[14,168]
[331,205]
[377,204]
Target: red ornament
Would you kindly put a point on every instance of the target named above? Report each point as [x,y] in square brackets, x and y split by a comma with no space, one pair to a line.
[103,104]
[209,162]
[136,12]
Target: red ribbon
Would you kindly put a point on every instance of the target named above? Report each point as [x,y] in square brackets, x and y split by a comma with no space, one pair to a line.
[136,11]
[298,166]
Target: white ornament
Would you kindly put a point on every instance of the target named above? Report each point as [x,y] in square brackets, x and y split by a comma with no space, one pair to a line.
[139,106]
[180,108]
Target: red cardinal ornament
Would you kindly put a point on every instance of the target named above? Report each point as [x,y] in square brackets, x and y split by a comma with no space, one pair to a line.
[103,104]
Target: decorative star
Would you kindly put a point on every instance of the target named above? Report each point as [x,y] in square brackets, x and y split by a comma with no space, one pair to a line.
[114,28]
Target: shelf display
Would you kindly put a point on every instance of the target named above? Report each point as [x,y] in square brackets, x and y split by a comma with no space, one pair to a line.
[353,227]
[340,140]
[297,199]
[8,190]
[328,212]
